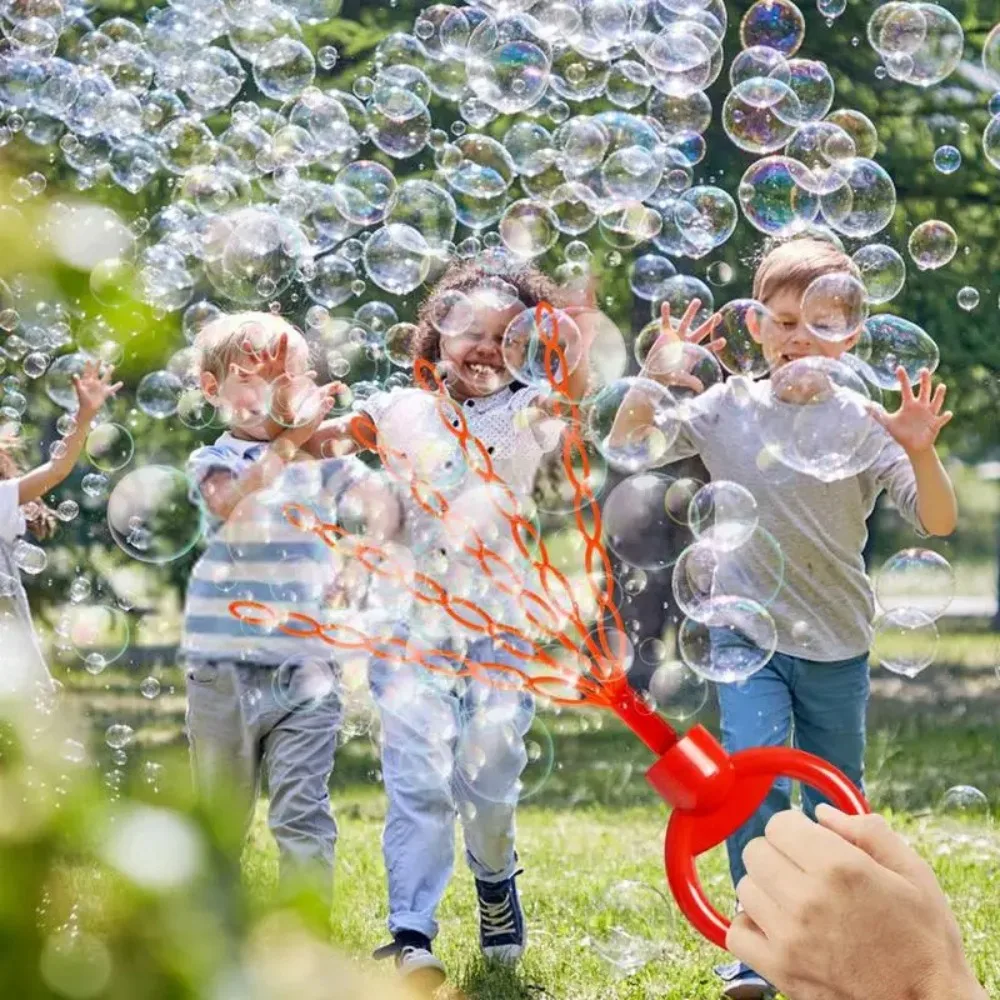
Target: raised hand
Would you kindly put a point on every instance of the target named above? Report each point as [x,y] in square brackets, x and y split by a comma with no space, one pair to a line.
[918,421]
[664,363]
[93,387]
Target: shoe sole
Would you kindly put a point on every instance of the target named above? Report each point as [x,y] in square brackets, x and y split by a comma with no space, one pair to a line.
[426,980]
[750,991]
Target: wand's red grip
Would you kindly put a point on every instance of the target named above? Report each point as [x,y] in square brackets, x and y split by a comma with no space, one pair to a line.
[714,794]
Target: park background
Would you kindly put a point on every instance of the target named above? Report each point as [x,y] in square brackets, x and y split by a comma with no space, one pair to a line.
[590,821]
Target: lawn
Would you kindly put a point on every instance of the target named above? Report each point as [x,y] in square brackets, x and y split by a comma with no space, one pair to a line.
[591,822]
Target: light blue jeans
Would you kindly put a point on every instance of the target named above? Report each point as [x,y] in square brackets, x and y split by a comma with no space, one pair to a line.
[450,746]
[824,707]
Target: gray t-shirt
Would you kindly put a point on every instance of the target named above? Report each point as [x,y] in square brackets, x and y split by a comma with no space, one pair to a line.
[823,609]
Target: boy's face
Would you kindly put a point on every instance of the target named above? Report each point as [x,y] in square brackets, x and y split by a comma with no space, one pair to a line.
[784,336]
[246,393]
[474,358]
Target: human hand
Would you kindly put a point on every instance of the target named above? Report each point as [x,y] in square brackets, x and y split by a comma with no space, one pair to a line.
[93,389]
[319,406]
[918,421]
[664,362]
[844,909]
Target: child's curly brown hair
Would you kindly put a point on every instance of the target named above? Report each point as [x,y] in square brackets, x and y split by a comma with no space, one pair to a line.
[530,284]
[40,517]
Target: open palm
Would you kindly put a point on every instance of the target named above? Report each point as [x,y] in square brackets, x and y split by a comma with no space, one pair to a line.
[918,421]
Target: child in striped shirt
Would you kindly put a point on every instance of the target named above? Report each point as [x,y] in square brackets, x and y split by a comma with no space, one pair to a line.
[260,699]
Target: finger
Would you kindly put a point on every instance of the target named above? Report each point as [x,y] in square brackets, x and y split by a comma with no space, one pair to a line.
[944,419]
[904,384]
[806,844]
[717,346]
[750,945]
[925,385]
[688,318]
[937,400]
[758,904]
[112,389]
[665,316]
[873,835]
[704,330]
[772,869]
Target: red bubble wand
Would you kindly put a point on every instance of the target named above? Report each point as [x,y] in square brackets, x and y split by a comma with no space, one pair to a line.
[712,792]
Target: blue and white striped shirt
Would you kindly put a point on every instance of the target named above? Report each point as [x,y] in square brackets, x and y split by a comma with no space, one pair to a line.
[257,555]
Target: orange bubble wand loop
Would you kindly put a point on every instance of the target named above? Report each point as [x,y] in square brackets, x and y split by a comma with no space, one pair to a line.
[712,793]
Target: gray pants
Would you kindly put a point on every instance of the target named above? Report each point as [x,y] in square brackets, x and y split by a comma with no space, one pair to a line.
[243,719]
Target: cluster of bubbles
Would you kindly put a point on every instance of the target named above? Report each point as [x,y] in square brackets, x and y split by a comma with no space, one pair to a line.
[282,193]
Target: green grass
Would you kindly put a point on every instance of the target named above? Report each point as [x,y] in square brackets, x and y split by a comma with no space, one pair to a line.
[593,822]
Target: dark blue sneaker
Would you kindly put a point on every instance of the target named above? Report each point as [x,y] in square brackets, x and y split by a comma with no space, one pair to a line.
[502,934]
[414,960]
[742,983]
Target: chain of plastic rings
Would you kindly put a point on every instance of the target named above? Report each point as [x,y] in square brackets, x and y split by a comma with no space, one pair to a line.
[544,613]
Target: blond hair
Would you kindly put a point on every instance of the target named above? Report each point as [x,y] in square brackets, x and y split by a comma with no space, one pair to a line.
[795,265]
[226,339]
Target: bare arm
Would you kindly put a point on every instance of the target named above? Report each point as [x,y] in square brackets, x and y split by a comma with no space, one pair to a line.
[936,502]
[93,388]
[342,436]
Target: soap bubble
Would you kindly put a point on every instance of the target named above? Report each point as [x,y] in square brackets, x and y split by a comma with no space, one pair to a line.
[733,640]
[119,735]
[647,275]
[864,204]
[889,341]
[947,159]
[151,516]
[680,291]
[529,228]
[707,217]
[760,115]
[932,244]
[758,62]
[283,68]
[508,63]
[859,127]
[991,53]
[524,348]
[724,514]
[94,485]
[330,282]
[965,801]
[98,628]
[825,149]
[742,355]
[777,196]
[677,691]
[59,380]
[883,271]
[916,578]
[777,24]
[834,306]
[631,925]
[397,258]
[158,394]
[363,192]
[967,298]
[815,419]
[303,683]
[636,525]
[149,687]
[939,52]
[813,86]
[991,141]
[427,207]
[904,641]
[686,369]
[109,447]
[644,402]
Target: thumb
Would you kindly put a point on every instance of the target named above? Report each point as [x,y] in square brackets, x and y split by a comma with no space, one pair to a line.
[873,835]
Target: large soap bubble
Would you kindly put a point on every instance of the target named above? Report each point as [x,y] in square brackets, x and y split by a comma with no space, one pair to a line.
[825,148]
[932,244]
[732,641]
[863,205]
[916,578]
[834,306]
[636,525]
[397,258]
[888,342]
[777,196]
[508,62]
[739,321]
[631,420]
[761,115]
[776,24]
[883,271]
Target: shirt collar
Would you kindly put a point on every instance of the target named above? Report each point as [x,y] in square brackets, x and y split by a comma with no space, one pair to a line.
[240,445]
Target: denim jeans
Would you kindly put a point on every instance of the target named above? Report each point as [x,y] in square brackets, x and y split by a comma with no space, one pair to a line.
[450,746]
[824,707]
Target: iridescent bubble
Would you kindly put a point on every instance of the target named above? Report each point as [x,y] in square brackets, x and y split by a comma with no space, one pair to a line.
[508,63]
[991,53]
[897,28]
[687,369]
[947,159]
[815,419]
[149,687]
[864,204]
[98,628]
[631,925]
[888,342]
[758,62]
[363,191]
[859,127]
[529,228]
[647,275]
[760,115]
[777,24]
[813,85]
[525,351]
[581,143]
[692,113]
[158,394]
[485,169]
[530,146]
[732,641]
[397,258]
[677,691]
[965,801]
[932,244]
[940,52]
[59,380]
[991,141]
[284,68]
[776,195]
[834,306]
[331,281]
[707,217]
[739,321]
[680,291]
[629,83]
[631,421]
[967,298]
[151,516]
[119,735]
[825,149]
[636,525]
[109,447]
[883,271]
[302,683]
[723,514]
[916,578]
[428,208]
[904,641]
